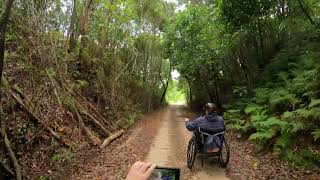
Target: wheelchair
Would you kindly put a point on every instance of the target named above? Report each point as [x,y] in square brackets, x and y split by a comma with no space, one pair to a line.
[196,146]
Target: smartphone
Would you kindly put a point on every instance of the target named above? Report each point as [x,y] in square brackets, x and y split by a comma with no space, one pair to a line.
[163,173]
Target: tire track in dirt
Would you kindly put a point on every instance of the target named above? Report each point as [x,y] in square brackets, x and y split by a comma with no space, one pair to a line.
[170,146]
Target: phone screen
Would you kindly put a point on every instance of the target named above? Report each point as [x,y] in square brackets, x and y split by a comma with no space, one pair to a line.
[161,173]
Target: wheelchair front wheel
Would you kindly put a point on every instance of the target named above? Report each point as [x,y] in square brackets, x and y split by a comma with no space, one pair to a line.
[191,153]
[224,154]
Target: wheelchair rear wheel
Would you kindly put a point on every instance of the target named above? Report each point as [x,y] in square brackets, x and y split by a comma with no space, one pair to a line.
[191,153]
[224,154]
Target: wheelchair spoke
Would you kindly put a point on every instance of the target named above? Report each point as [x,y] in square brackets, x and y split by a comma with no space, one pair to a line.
[191,153]
[224,154]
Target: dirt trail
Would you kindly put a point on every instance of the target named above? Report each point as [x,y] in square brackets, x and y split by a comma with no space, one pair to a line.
[170,145]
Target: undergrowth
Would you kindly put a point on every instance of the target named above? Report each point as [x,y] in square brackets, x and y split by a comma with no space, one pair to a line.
[283,114]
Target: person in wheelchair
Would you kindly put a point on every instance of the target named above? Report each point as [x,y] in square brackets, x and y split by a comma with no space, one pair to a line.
[210,124]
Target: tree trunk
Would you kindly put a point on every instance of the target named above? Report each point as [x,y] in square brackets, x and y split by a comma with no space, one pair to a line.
[167,84]
[206,85]
[217,94]
[306,12]
[84,22]
[71,30]
[190,88]
[6,141]
[261,41]
[4,17]
[229,69]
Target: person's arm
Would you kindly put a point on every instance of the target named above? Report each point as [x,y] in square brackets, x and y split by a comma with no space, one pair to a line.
[192,125]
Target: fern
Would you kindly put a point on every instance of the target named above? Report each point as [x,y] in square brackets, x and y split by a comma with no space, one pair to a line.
[284,77]
[283,100]
[314,114]
[253,109]
[269,123]
[316,134]
[314,103]
[294,127]
[283,144]
[262,95]
[259,117]
[242,129]
[262,136]
[288,115]
[232,116]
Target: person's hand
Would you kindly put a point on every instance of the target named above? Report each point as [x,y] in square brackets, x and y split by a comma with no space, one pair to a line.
[186,120]
[140,171]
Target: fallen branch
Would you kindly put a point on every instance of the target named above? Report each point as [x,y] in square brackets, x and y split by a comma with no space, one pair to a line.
[108,140]
[27,105]
[94,139]
[7,168]
[84,111]
[33,116]
[9,149]
[54,88]
[77,94]
[82,108]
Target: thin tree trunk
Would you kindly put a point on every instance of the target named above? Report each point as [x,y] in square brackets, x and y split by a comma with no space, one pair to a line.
[206,85]
[306,13]
[71,31]
[4,18]
[84,21]
[167,84]
[261,40]
[230,71]
[217,94]
[190,88]
[8,147]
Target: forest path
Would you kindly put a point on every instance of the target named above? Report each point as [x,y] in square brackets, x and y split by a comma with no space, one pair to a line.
[159,137]
[170,145]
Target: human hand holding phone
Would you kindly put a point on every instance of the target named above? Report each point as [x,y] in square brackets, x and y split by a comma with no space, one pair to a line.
[140,171]
[148,171]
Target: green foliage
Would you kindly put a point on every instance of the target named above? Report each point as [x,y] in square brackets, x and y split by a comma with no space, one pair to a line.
[240,91]
[282,100]
[314,103]
[176,92]
[82,84]
[262,136]
[240,127]
[304,158]
[69,102]
[65,155]
[260,56]
[316,134]
[42,178]
[131,119]
[253,109]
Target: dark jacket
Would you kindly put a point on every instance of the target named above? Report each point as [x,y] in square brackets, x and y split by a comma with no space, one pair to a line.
[211,121]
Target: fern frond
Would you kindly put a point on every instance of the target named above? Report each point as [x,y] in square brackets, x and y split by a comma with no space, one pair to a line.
[240,128]
[270,123]
[262,136]
[316,134]
[253,109]
[314,103]
[295,127]
[288,115]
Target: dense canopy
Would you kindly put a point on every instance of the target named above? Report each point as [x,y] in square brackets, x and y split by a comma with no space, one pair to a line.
[81,70]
